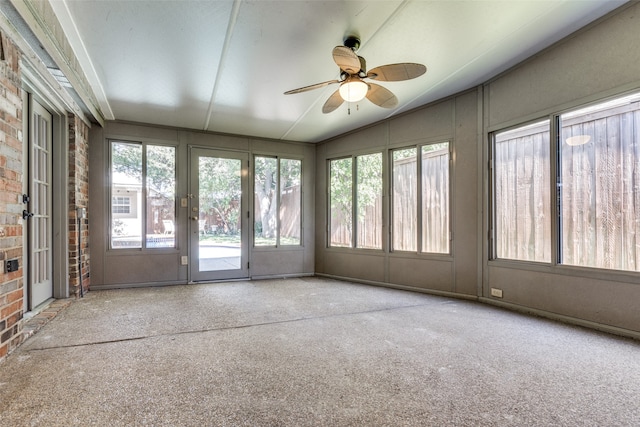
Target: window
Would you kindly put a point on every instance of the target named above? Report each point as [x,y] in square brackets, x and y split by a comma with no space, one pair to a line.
[599,150]
[424,230]
[521,185]
[435,198]
[596,200]
[121,205]
[369,201]
[340,202]
[278,201]
[142,195]
[356,179]
[405,200]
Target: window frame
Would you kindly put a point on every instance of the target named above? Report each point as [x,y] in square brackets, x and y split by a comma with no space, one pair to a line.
[493,229]
[329,204]
[419,235]
[140,208]
[617,102]
[556,265]
[278,196]
[353,244]
[120,203]
[387,200]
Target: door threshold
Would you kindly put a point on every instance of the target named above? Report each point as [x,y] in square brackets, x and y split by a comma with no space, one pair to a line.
[202,282]
[38,309]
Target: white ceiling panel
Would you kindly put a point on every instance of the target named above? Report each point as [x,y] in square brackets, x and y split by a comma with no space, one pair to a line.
[224,66]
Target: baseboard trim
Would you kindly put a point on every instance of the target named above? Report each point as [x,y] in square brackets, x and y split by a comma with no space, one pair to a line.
[401,287]
[614,330]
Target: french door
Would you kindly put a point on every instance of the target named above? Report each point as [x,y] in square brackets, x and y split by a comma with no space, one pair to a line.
[38,207]
[218,215]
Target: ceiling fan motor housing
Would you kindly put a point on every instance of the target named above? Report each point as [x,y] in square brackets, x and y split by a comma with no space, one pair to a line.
[352,42]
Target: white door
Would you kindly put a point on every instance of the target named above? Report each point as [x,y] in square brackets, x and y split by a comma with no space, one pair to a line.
[38,207]
[218,215]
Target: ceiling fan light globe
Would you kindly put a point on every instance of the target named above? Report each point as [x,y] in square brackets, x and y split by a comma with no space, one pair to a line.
[353,90]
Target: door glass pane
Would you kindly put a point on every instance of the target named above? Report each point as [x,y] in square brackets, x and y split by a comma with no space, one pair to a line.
[290,201]
[435,198]
[405,200]
[265,203]
[219,216]
[38,225]
[161,202]
[522,200]
[340,202]
[369,201]
[126,195]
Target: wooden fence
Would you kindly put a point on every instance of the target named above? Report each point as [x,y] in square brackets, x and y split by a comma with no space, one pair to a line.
[290,203]
[599,192]
[435,209]
[523,213]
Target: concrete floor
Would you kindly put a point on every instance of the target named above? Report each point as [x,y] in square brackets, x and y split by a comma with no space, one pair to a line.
[313,352]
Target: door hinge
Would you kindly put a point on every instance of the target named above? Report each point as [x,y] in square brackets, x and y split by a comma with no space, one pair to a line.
[247,266]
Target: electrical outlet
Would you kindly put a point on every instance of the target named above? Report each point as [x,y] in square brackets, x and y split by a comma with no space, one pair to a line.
[495,292]
[12,265]
[184,260]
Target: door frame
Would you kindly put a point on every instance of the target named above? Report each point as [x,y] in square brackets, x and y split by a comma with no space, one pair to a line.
[34,88]
[193,232]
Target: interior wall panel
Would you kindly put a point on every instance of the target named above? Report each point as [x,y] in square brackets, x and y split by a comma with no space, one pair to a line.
[362,266]
[364,140]
[113,268]
[424,274]
[276,262]
[601,301]
[141,268]
[596,60]
[432,122]
[464,177]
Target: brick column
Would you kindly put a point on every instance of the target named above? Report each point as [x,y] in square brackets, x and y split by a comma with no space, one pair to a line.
[11,283]
[78,198]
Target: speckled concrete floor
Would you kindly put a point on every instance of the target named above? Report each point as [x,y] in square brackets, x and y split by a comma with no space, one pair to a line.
[312,352]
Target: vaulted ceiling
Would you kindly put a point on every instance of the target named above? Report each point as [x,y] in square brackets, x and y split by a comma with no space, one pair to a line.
[224,65]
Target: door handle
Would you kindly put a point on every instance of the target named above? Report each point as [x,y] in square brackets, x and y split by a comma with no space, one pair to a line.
[195,218]
[26,214]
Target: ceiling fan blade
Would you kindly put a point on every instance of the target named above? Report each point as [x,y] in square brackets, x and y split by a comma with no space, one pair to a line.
[381,96]
[311,87]
[332,103]
[346,59]
[397,72]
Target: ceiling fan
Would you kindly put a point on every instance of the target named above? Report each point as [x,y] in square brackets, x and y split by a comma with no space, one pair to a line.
[353,69]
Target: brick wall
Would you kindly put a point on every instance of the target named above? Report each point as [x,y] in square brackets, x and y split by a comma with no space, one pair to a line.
[78,197]
[11,283]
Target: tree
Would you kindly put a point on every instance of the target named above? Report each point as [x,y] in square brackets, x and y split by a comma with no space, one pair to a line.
[265,182]
[221,190]
[267,191]
[368,185]
[126,158]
